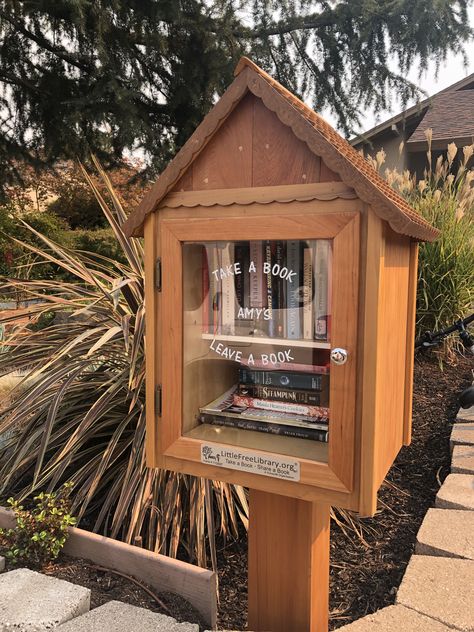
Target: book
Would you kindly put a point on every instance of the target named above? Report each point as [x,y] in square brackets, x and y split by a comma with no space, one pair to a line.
[293,367]
[288,379]
[256,275]
[228,301]
[269,287]
[224,405]
[279,290]
[278,393]
[214,287]
[293,291]
[308,330]
[321,269]
[269,428]
[291,408]
[206,324]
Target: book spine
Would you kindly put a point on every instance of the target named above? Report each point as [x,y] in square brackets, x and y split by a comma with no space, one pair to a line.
[228,292]
[284,394]
[268,285]
[293,367]
[256,274]
[206,328]
[308,294]
[321,294]
[213,287]
[269,428]
[304,381]
[293,290]
[278,293]
[281,407]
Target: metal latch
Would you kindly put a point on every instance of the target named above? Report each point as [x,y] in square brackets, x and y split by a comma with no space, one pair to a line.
[158,400]
[158,274]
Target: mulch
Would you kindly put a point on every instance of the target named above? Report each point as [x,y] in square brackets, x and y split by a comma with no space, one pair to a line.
[366,569]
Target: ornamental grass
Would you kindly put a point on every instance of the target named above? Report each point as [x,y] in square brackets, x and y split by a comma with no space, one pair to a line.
[82,417]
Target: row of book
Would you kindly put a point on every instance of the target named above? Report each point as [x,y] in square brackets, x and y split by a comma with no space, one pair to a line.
[287,404]
[267,288]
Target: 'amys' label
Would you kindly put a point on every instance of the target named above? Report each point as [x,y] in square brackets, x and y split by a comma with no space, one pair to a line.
[253,462]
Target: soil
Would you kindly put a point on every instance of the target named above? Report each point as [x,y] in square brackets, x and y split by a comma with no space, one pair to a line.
[366,569]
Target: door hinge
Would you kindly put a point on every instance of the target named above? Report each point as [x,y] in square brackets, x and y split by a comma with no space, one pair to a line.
[158,400]
[158,274]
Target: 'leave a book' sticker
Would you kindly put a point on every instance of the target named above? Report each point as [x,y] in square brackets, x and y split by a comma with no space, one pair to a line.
[253,462]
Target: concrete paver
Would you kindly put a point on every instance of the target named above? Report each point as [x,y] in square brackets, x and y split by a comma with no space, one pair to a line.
[31,602]
[457,492]
[462,460]
[441,588]
[462,434]
[447,533]
[116,616]
[396,618]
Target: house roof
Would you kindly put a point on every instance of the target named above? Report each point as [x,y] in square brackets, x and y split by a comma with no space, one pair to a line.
[450,117]
[309,127]
[417,110]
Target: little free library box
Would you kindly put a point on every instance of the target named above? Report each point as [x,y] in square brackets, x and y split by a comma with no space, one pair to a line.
[280,274]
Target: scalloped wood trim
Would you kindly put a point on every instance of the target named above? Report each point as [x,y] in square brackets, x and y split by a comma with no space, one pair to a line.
[309,127]
[259,195]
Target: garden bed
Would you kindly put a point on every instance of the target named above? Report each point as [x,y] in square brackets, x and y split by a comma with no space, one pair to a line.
[366,574]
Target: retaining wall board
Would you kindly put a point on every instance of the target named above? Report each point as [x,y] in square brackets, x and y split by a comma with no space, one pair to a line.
[447,533]
[116,616]
[31,602]
[441,588]
[396,618]
[462,461]
[457,492]
[197,585]
[465,414]
[462,434]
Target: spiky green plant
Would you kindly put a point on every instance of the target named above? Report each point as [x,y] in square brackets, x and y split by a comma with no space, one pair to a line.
[82,417]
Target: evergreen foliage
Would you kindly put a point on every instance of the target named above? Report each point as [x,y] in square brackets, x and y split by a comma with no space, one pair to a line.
[114,75]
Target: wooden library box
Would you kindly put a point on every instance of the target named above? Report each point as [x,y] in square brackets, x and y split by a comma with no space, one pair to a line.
[280,274]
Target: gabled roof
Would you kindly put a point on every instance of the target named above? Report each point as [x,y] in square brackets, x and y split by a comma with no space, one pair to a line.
[309,127]
[451,117]
[417,110]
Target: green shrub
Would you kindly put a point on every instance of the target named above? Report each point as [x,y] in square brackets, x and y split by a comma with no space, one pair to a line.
[40,532]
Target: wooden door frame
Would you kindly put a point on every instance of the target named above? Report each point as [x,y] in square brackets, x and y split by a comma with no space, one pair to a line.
[180,453]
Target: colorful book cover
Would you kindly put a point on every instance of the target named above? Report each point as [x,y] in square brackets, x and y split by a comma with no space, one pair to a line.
[281,407]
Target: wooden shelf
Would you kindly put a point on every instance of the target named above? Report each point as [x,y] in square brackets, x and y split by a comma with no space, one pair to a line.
[288,446]
[261,340]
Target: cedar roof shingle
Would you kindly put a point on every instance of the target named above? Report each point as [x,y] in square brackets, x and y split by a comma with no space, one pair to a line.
[310,127]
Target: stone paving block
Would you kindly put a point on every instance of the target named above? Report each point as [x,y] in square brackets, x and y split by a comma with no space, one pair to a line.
[465,414]
[462,459]
[396,618]
[462,434]
[447,533]
[31,602]
[457,492]
[441,588]
[116,616]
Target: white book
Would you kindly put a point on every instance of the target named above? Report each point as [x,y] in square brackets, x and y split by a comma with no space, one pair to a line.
[256,276]
[321,294]
[308,294]
[228,297]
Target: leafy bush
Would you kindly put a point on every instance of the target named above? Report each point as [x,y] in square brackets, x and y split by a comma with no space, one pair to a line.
[84,418]
[40,532]
[445,197]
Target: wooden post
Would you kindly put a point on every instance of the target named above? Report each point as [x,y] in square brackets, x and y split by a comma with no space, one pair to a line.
[288,587]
